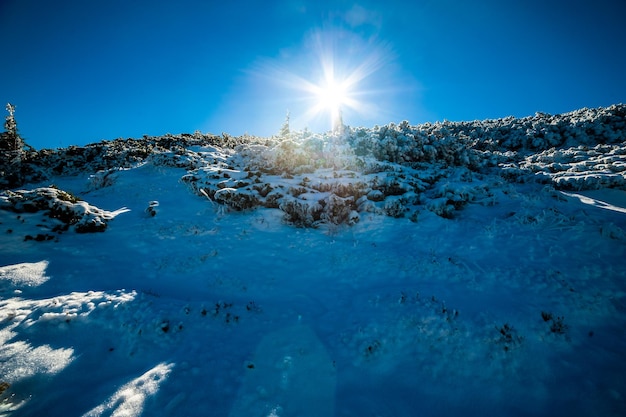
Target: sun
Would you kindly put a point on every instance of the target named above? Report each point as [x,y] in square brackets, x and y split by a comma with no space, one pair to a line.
[335,77]
[331,95]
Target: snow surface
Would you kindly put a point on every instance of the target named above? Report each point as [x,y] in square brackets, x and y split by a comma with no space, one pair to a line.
[323,275]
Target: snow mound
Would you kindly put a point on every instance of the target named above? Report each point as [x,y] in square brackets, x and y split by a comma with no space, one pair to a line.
[25,274]
[20,358]
[61,309]
[129,399]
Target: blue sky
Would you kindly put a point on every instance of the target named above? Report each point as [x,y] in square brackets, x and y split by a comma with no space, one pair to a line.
[83,71]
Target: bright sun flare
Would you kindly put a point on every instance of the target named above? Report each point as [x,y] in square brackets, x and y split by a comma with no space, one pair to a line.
[339,65]
[330,97]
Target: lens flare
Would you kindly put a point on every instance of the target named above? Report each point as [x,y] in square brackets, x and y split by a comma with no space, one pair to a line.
[331,96]
[334,75]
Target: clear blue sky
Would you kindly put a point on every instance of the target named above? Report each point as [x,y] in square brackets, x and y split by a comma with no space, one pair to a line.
[82,71]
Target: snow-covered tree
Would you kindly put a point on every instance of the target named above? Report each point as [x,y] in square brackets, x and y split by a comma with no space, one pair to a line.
[10,138]
[11,150]
[285,130]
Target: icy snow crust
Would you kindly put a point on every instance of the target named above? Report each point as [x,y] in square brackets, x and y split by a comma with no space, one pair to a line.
[471,268]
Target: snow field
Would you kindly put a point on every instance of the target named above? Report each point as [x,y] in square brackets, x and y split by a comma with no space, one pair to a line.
[372,323]
[430,281]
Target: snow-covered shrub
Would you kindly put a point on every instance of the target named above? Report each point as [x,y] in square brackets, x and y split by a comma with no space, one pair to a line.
[289,157]
[580,167]
[405,144]
[302,213]
[86,220]
[151,210]
[338,210]
[376,195]
[442,207]
[589,181]
[236,200]
[394,207]
[313,146]
[387,169]
[102,179]
[354,190]
[392,185]
[60,205]
[456,194]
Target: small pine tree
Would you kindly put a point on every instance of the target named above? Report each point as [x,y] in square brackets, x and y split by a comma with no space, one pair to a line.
[284,130]
[10,125]
[10,139]
[11,151]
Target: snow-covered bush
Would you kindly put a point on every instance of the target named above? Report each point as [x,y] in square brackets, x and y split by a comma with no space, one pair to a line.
[394,207]
[236,200]
[61,206]
[339,210]
[392,169]
[302,213]
[580,167]
[288,157]
[151,210]
[102,179]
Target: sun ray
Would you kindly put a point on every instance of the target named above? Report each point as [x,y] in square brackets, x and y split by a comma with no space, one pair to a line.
[336,74]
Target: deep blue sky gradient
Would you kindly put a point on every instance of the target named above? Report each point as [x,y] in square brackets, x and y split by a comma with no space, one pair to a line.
[82,71]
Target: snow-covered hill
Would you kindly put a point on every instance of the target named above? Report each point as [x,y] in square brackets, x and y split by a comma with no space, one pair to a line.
[439,269]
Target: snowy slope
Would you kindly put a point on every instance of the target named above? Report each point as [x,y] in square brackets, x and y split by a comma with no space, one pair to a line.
[471,268]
